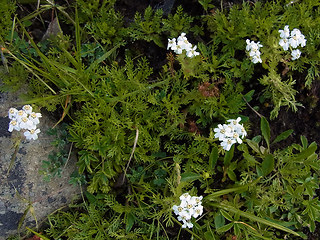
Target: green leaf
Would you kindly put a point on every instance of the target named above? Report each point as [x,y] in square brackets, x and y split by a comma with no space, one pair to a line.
[254,146]
[265,130]
[225,228]
[130,221]
[306,153]
[189,177]
[219,220]
[232,175]
[226,215]
[267,164]
[213,158]
[252,217]
[248,96]
[228,156]
[304,141]
[282,136]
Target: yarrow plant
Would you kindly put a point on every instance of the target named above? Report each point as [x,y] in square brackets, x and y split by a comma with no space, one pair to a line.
[181,44]
[188,208]
[253,51]
[293,40]
[230,133]
[24,120]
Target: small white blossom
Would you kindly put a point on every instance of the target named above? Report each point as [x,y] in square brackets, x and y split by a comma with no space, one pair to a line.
[32,134]
[12,113]
[253,51]
[284,43]
[227,143]
[285,33]
[256,59]
[34,117]
[192,52]
[297,38]
[172,44]
[187,224]
[27,109]
[198,210]
[295,54]
[221,131]
[26,123]
[13,125]
[21,114]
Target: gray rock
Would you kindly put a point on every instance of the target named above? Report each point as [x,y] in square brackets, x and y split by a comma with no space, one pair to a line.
[24,185]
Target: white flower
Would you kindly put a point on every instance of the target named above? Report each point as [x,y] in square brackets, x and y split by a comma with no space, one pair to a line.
[227,143]
[234,122]
[172,44]
[221,131]
[32,134]
[297,38]
[21,114]
[187,224]
[188,208]
[185,197]
[184,215]
[295,54]
[13,125]
[26,123]
[178,49]
[192,52]
[196,200]
[12,113]
[254,52]
[34,117]
[253,49]
[236,137]
[182,37]
[256,59]
[27,109]
[284,43]
[285,33]
[241,131]
[177,209]
[198,210]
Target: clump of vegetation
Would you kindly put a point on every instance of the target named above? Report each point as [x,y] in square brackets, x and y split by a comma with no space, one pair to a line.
[147,131]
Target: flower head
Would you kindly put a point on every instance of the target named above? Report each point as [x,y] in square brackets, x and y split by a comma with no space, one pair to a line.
[188,208]
[32,134]
[182,44]
[13,125]
[230,133]
[253,51]
[295,54]
[12,113]
[285,33]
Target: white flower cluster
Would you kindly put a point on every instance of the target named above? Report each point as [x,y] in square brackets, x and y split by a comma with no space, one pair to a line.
[189,207]
[181,44]
[230,133]
[293,40]
[24,119]
[253,49]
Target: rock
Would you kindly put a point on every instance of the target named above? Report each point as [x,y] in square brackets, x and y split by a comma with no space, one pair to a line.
[24,186]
